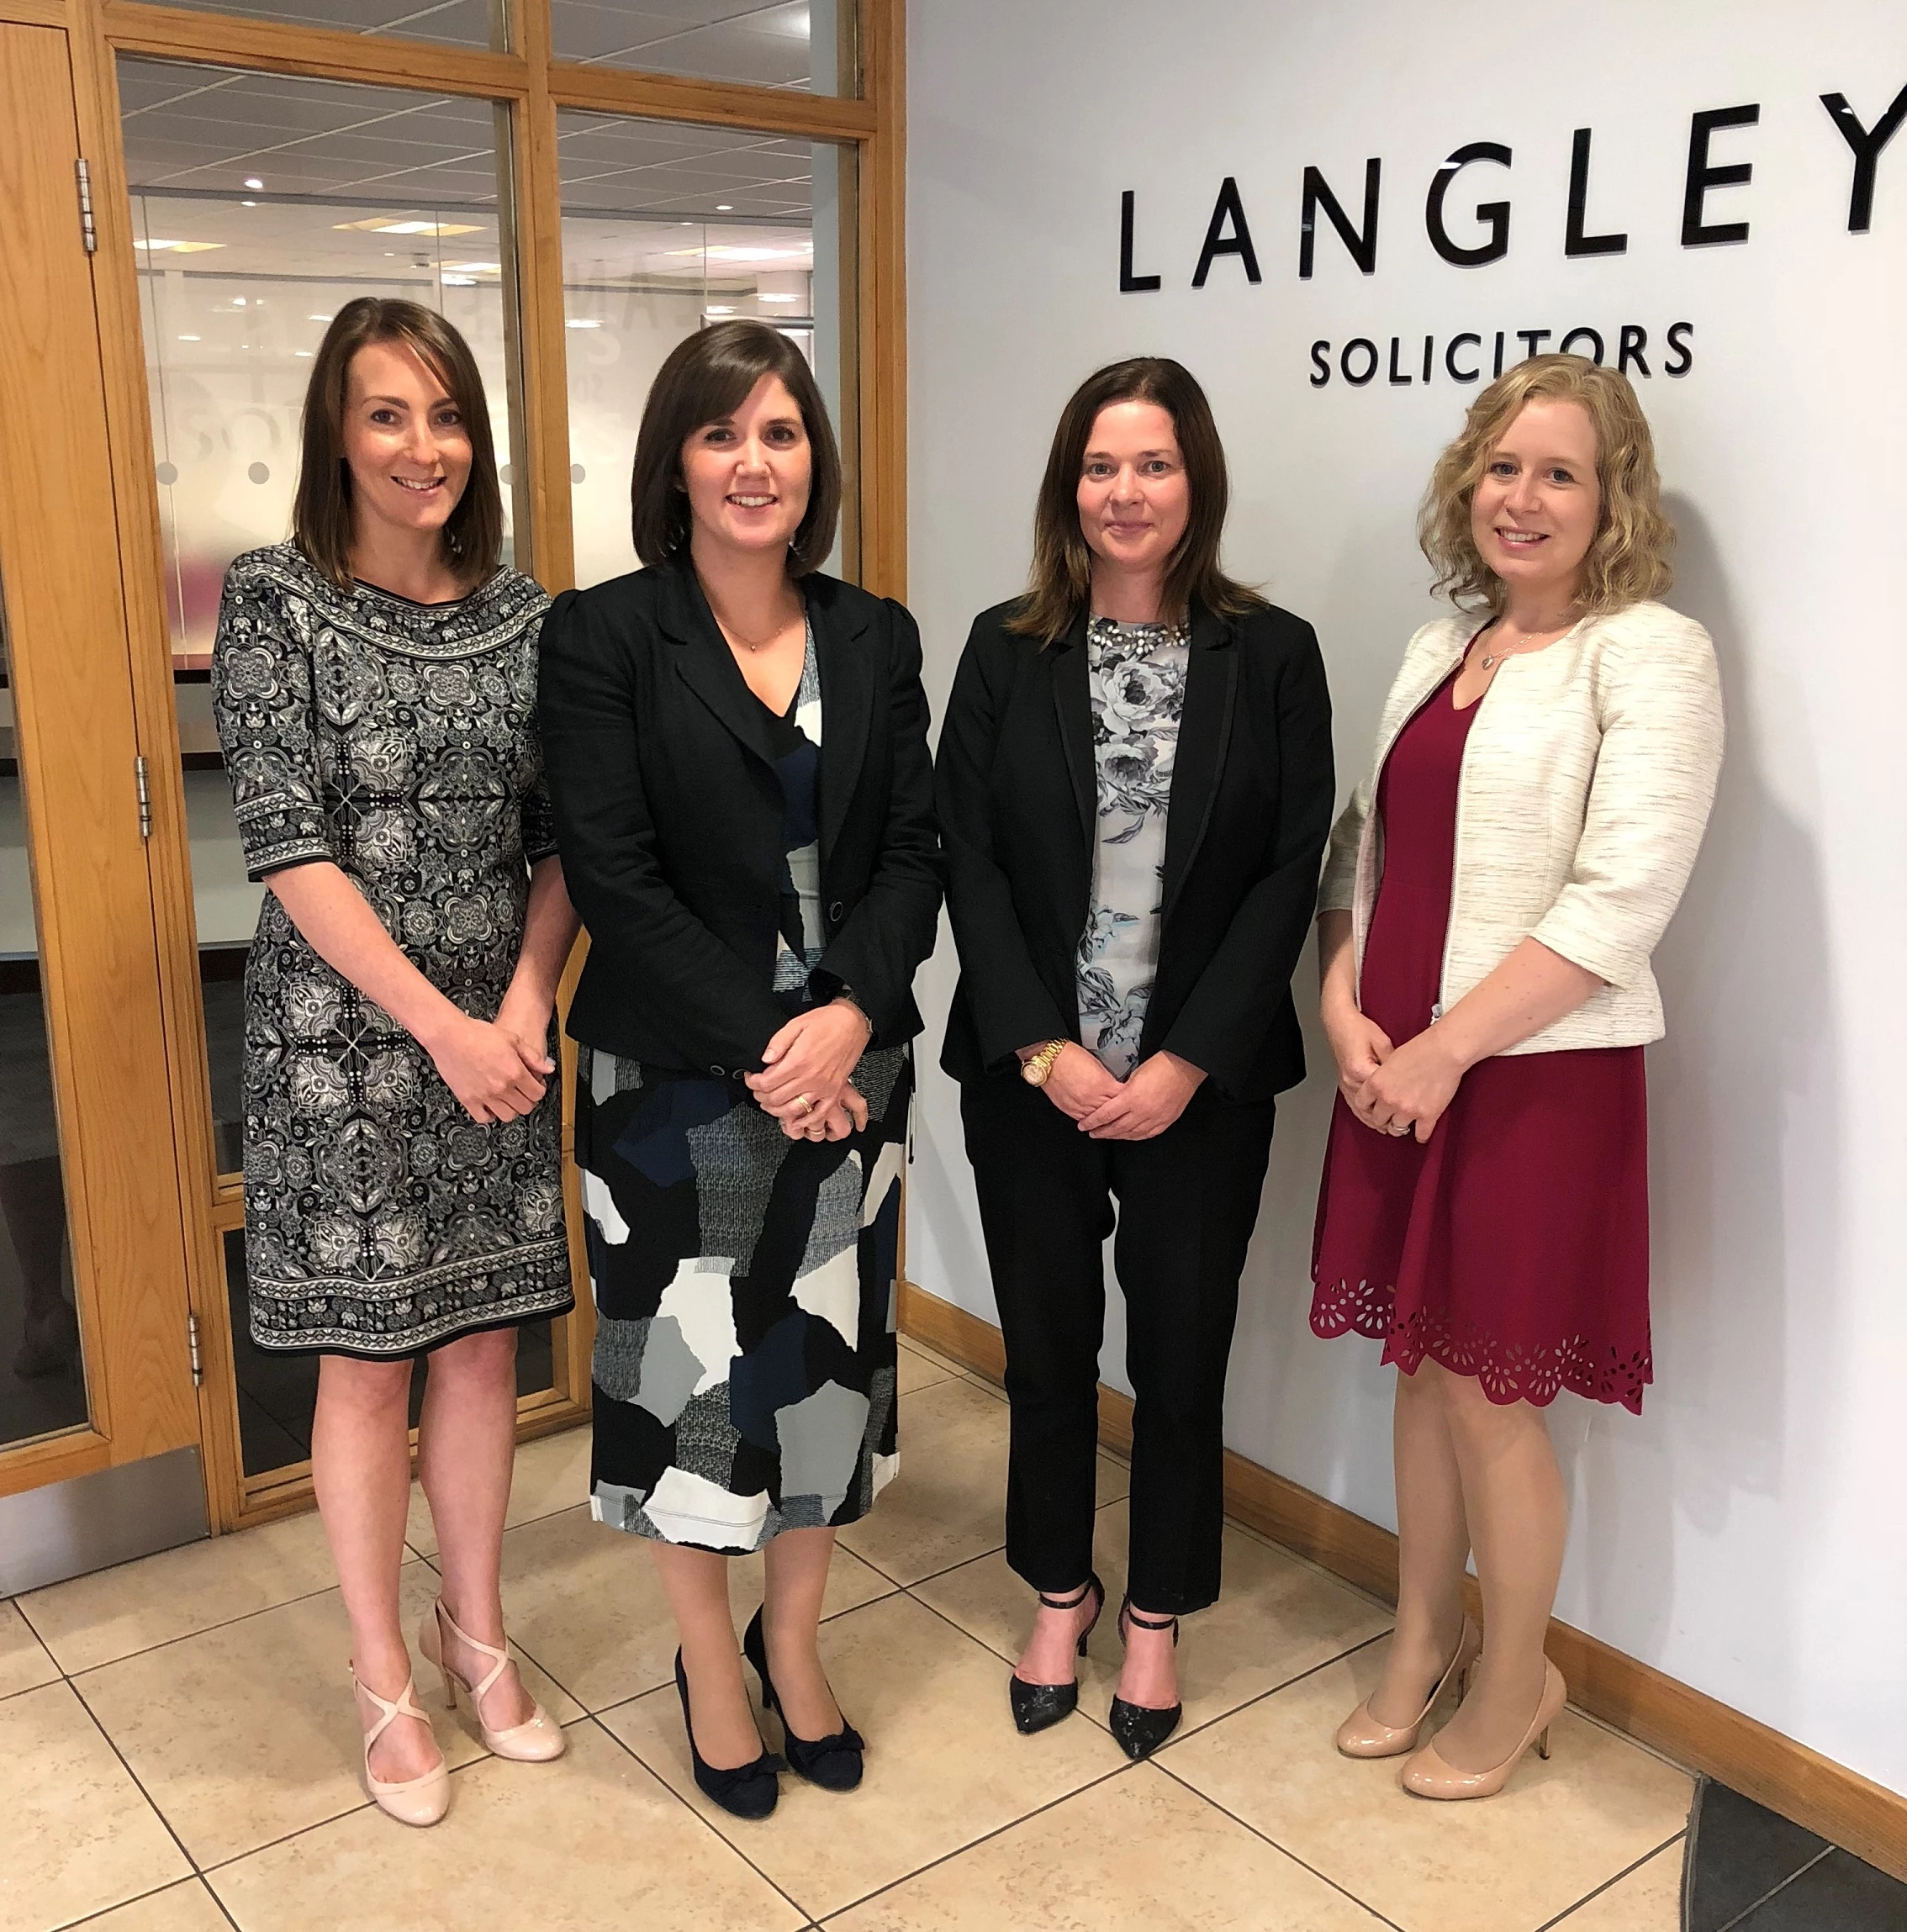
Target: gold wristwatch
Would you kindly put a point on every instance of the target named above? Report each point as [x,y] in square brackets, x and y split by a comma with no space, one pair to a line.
[1034,1070]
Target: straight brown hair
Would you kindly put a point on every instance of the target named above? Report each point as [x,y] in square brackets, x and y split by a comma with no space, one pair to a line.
[321,522]
[705,378]
[1059,587]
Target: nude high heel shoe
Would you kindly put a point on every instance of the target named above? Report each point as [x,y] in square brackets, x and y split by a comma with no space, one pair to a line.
[1361,1735]
[410,1801]
[1427,1775]
[534,1742]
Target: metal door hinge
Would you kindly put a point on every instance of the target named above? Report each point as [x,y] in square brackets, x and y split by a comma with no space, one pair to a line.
[144,798]
[192,1346]
[88,235]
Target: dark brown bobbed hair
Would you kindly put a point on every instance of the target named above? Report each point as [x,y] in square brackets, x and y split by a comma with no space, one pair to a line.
[321,520]
[1059,587]
[705,379]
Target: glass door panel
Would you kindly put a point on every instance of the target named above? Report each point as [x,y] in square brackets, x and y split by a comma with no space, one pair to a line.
[811,44]
[249,238]
[668,228]
[42,1382]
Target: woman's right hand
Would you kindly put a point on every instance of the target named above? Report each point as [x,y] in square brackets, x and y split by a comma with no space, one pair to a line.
[1077,1084]
[1358,1044]
[485,1067]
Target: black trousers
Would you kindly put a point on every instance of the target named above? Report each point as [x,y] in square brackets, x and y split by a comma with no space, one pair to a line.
[1187,1203]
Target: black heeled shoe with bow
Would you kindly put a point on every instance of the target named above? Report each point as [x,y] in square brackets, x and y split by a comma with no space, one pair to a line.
[1038,1707]
[833,1762]
[750,1790]
[1139,1728]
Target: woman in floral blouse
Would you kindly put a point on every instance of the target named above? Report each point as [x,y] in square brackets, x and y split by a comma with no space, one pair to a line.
[1135,784]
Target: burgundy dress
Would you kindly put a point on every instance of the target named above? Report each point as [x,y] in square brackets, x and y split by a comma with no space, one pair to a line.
[1514,1245]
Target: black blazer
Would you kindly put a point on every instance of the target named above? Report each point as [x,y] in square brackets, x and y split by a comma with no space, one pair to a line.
[1252,795]
[668,816]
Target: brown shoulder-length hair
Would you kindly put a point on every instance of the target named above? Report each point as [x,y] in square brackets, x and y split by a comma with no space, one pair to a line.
[321,523]
[704,379]
[1628,559]
[1059,587]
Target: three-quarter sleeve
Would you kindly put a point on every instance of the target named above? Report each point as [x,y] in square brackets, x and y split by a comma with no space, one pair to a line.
[263,704]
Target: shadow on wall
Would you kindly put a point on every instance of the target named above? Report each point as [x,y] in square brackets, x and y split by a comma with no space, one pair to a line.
[1747,1070]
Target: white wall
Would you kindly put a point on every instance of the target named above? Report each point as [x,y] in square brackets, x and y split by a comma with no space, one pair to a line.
[1746,1534]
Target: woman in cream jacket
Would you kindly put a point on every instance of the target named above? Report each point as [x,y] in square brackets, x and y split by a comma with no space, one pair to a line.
[1543,770]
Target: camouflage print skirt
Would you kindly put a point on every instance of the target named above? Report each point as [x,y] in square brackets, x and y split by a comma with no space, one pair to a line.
[745,1300]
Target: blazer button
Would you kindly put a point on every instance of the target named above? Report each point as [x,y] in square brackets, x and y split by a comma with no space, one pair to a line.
[835,910]
[720,1073]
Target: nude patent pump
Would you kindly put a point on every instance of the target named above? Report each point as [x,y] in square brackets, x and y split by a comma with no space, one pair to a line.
[410,1801]
[1361,1735]
[1427,1775]
[536,1741]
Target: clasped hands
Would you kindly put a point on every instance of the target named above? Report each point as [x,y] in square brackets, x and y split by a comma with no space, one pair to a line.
[1393,1090]
[805,1081]
[498,1069]
[1143,1105]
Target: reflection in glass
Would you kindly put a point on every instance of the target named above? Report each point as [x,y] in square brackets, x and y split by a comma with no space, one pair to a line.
[453,23]
[42,1382]
[278,1393]
[248,242]
[806,44]
[665,230]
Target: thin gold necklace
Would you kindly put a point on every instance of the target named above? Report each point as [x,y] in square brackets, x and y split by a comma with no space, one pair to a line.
[1491,657]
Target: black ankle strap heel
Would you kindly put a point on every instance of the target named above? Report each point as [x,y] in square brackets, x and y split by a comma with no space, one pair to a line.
[1139,1729]
[1038,1707]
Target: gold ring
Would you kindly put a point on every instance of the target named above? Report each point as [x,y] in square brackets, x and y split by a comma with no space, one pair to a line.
[805,1102]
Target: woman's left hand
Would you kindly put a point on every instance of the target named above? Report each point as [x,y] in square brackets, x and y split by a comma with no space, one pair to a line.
[1151,1098]
[1412,1089]
[806,1066]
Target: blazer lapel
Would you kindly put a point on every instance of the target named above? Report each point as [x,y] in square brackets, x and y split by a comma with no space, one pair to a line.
[707,665]
[848,681]
[1072,700]
[1205,729]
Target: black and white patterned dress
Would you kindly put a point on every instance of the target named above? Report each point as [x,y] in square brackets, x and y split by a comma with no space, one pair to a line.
[398,739]
[745,1282]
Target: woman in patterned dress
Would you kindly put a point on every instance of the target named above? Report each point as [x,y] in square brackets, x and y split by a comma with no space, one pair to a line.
[737,753]
[1134,783]
[374,681]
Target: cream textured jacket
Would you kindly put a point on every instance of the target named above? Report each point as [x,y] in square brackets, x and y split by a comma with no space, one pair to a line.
[1585,787]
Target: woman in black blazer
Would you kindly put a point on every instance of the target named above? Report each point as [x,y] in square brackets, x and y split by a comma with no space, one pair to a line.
[737,749]
[1135,785]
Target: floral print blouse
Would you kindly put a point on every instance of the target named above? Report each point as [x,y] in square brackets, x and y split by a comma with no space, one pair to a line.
[1136,676]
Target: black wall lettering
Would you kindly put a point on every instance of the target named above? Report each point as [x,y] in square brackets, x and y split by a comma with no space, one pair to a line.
[1697,232]
[1450,348]
[1494,214]
[1867,144]
[1498,369]
[1575,240]
[1362,242]
[1679,335]
[1429,351]
[1532,339]
[1130,283]
[1633,349]
[1226,209]
[1369,348]
[1320,364]
[1576,334]
[1398,376]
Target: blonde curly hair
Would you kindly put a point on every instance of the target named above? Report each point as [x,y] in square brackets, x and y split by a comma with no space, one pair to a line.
[1628,560]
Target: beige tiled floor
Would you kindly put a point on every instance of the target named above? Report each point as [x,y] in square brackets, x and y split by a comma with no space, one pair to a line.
[176,1751]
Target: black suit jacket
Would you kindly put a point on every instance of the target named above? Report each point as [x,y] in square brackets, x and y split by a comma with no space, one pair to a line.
[669,817]
[1252,795]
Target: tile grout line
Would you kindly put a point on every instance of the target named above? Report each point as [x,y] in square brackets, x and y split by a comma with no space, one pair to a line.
[193,1877]
[1776,1891]
[1589,1898]
[1283,1850]
[636,1757]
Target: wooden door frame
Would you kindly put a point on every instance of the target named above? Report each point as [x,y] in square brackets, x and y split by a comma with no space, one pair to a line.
[535,88]
[76,740]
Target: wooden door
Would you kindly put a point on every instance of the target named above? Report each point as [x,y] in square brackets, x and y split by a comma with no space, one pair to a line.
[89,1202]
